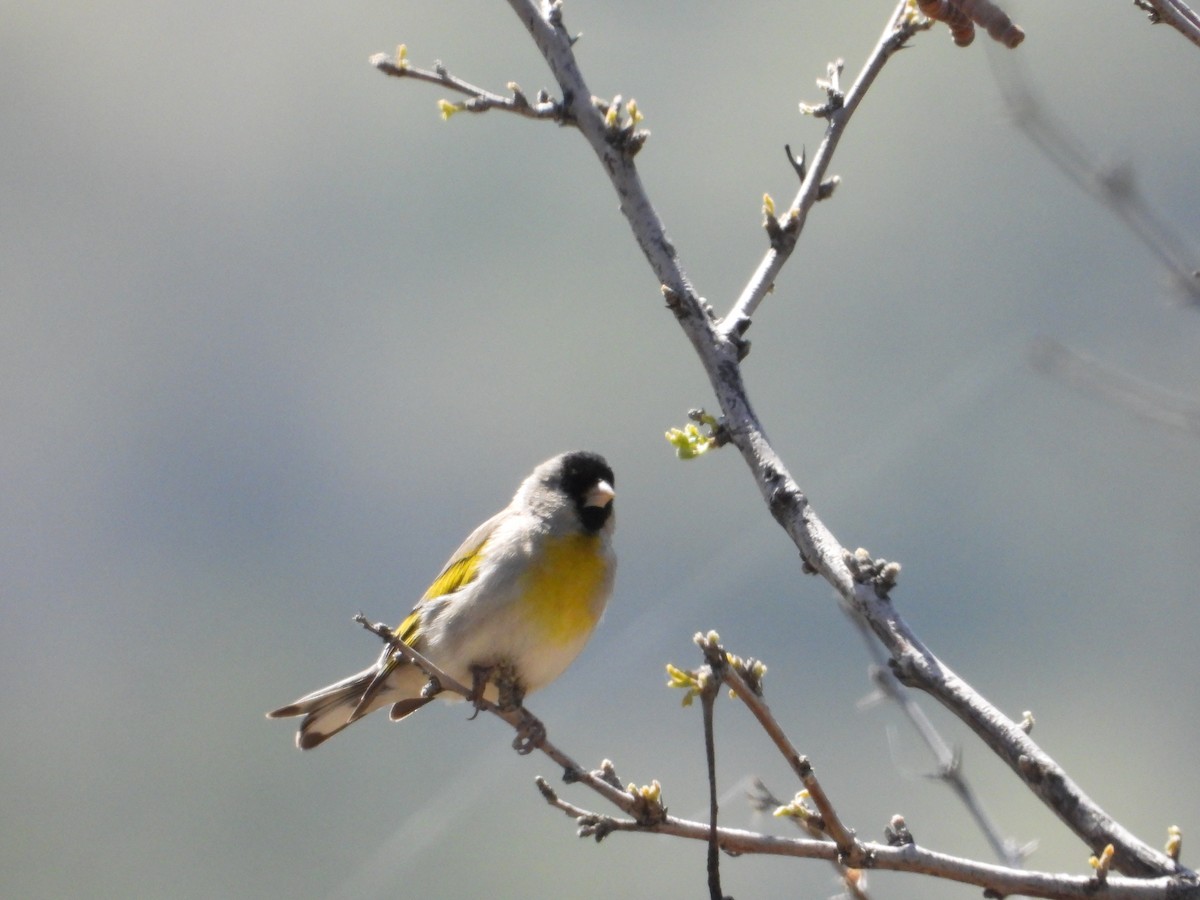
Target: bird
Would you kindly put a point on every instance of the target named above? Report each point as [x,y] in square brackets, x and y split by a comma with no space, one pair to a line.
[521,596]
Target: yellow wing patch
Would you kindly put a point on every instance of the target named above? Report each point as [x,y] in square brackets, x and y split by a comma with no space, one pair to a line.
[408,629]
[456,575]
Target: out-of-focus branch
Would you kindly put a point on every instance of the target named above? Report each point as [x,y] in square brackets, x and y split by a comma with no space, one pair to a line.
[1114,186]
[1175,13]
[1144,400]
[949,761]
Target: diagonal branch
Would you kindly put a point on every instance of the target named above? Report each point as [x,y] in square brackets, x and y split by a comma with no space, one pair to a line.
[849,848]
[861,583]
[837,113]
[719,352]
[1175,13]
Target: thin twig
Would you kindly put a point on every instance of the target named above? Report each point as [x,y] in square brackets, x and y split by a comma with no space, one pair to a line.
[479,99]
[848,845]
[708,697]
[719,352]
[837,114]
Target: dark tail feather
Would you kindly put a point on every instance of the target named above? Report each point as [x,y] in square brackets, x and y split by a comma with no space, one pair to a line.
[408,707]
[332,708]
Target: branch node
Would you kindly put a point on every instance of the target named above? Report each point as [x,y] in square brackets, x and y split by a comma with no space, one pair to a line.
[1174,842]
[903,668]
[691,441]
[595,826]
[878,573]
[520,101]
[1031,769]
[620,125]
[834,98]
[827,187]
[752,671]
[798,163]
[648,809]
[1102,863]
[608,774]
[897,834]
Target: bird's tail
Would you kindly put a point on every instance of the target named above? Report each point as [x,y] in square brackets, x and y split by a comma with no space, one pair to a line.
[332,708]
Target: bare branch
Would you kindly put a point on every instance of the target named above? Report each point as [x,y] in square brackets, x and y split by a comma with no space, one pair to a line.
[479,99]
[707,701]
[837,112]
[1175,13]
[518,718]
[910,857]
[859,581]
[718,351]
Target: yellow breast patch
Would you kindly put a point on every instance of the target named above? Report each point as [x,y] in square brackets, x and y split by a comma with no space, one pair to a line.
[564,591]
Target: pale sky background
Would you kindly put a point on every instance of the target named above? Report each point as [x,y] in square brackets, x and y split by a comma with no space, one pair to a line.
[275,338]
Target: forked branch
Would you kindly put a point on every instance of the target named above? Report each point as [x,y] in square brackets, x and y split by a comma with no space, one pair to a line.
[863,584]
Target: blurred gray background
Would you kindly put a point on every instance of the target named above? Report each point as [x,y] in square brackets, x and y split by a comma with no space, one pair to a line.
[275,337]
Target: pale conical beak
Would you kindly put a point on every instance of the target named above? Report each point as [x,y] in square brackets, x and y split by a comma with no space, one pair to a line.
[600,496]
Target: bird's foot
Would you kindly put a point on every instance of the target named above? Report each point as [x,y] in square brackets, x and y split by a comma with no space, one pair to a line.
[531,733]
